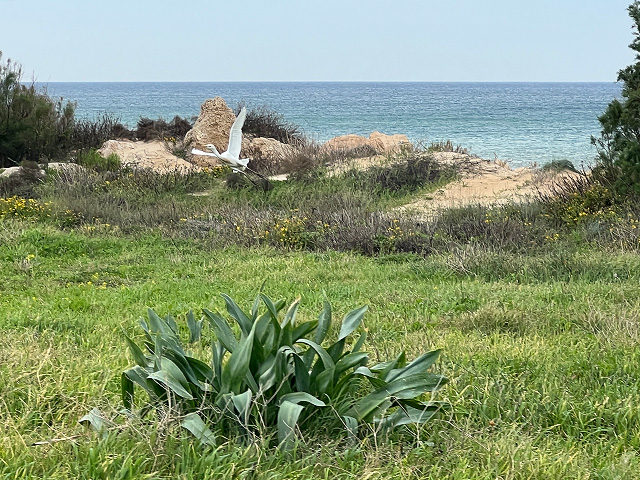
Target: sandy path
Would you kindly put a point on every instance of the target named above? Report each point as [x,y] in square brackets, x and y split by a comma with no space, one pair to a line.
[485,182]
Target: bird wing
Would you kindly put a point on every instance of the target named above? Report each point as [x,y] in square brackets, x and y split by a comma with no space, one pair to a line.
[195,151]
[235,135]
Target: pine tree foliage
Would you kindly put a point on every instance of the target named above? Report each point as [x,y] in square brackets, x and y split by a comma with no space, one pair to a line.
[619,142]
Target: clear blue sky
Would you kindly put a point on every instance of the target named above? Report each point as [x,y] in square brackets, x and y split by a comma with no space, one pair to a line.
[319,40]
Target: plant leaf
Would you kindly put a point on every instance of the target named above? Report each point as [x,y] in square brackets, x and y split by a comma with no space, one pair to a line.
[322,353]
[351,321]
[138,356]
[222,330]
[96,420]
[242,403]
[288,415]
[126,387]
[237,314]
[171,376]
[195,327]
[419,365]
[194,424]
[297,397]
[237,366]
[290,316]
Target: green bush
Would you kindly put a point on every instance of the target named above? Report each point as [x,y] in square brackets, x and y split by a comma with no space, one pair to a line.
[94,161]
[619,142]
[277,375]
[32,125]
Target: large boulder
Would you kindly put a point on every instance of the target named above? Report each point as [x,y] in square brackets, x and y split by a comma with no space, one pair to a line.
[378,142]
[269,149]
[152,155]
[347,142]
[388,143]
[212,126]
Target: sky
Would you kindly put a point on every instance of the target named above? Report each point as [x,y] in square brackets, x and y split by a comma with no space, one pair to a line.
[318,40]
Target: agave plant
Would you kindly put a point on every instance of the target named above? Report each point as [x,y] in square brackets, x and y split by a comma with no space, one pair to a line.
[273,371]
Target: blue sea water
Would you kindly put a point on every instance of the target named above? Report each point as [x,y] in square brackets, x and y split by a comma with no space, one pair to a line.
[518,122]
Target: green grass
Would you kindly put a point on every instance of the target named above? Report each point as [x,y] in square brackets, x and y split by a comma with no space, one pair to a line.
[542,351]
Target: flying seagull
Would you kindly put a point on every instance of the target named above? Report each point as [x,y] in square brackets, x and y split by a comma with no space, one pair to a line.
[232,156]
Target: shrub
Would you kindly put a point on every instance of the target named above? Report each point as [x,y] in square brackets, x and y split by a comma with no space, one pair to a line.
[446,146]
[262,122]
[94,161]
[277,375]
[159,129]
[32,125]
[88,134]
[619,141]
[406,174]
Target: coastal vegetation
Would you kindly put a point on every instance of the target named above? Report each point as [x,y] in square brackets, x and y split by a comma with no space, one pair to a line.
[529,312]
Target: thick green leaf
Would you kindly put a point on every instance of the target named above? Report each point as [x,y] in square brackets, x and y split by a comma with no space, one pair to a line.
[96,419]
[409,416]
[411,387]
[288,415]
[277,371]
[324,322]
[323,384]
[351,321]
[238,315]
[298,397]
[351,425]
[195,327]
[171,323]
[237,366]
[290,316]
[271,307]
[203,372]
[157,324]
[301,374]
[321,352]
[419,365]
[360,343]
[138,356]
[386,367]
[222,330]
[171,376]
[242,403]
[194,424]
[139,376]
[351,360]
[126,387]
[303,330]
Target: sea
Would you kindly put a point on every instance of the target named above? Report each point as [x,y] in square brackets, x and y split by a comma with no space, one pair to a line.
[521,123]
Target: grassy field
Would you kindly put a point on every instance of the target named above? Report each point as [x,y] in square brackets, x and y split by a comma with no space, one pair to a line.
[542,353]
[536,309]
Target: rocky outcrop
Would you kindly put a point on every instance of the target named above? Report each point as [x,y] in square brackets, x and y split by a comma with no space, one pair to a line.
[17,171]
[347,142]
[269,149]
[378,142]
[146,155]
[212,126]
[388,143]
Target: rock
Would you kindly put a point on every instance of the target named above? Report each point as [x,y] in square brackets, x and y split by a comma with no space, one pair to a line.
[346,142]
[269,149]
[388,143]
[10,172]
[146,155]
[212,126]
[379,142]
[16,171]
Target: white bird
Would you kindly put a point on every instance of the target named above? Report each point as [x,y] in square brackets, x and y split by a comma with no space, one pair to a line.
[232,156]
